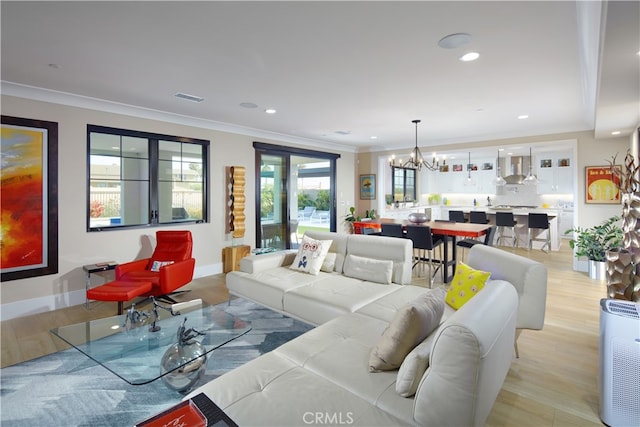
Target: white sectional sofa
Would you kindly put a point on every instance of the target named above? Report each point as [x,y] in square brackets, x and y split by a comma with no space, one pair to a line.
[323,377]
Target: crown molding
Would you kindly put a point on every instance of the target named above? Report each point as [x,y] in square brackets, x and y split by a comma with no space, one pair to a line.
[79,101]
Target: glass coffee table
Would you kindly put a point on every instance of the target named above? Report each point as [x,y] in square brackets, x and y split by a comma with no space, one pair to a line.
[138,353]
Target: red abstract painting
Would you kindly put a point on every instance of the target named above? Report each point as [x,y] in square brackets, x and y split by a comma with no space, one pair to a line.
[28,198]
[22,197]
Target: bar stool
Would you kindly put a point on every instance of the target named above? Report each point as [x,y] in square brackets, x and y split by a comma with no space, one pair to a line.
[424,242]
[539,221]
[456,216]
[478,217]
[392,230]
[506,220]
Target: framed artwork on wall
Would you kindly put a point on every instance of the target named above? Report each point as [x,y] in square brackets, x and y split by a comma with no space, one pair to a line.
[29,198]
[368,187]
[600,185]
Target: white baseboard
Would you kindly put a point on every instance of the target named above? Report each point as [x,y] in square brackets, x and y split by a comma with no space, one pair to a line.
[68,299]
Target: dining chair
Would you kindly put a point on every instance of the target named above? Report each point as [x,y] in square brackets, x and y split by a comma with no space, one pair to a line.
[370,231]
[424,244]
[539,222]
[392,230]
[488,240]
[456,216]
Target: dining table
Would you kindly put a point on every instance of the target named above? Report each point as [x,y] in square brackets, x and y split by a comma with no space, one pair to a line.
[451,230]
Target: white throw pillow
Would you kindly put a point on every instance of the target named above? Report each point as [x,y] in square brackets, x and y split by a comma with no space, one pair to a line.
[417,361]
[413,368]
[412,323]
[311,255]
[369,269]
[329,263]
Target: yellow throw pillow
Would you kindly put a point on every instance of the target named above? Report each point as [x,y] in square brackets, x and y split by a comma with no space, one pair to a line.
[465,284]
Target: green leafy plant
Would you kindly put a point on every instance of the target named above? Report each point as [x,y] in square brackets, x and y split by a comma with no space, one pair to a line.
[352,217]
[594,242]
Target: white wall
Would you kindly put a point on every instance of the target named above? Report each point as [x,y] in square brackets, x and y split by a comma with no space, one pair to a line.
[77,247]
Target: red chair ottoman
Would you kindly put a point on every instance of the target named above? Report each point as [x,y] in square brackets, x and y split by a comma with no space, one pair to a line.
[119,291]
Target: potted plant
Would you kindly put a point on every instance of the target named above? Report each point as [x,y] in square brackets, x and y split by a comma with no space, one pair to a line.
[351,217]
[594,242]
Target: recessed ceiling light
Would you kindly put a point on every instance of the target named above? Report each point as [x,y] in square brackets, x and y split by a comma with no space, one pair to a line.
[523,116]
[616,132]
[270,111]
[248,105]
[468,57]
[453,41]
[373,137]
[192,98]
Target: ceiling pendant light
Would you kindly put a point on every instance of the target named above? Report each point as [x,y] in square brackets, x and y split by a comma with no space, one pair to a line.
[498,180]
[531,178]
[469,181]
[416,161]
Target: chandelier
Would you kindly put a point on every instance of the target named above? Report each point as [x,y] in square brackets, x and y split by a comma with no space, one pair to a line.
[416,161]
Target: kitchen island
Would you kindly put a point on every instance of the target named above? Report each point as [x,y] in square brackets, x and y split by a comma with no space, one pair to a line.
[521,215]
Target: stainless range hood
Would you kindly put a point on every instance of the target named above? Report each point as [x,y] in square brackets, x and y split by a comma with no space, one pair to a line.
[513,168]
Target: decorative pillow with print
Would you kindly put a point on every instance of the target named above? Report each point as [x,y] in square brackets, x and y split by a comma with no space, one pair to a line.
[311,255]
[157,264]
[466,283]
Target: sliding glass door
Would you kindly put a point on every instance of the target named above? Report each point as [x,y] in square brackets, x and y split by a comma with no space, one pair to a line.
[295,190]
[272,195]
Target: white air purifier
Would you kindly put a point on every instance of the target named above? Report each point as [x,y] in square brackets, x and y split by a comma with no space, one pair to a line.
[619,363]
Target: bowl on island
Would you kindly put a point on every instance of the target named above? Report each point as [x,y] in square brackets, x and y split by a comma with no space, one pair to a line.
[418,217]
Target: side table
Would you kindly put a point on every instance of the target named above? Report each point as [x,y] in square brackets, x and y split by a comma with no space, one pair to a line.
[95,268]
[231,256]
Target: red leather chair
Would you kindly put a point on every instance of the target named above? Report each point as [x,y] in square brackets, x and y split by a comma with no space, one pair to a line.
[169,268]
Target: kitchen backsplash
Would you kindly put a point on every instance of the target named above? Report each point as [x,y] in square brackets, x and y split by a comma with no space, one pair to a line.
[518,195]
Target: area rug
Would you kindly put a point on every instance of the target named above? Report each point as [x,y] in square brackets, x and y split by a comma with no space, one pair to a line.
[68,389]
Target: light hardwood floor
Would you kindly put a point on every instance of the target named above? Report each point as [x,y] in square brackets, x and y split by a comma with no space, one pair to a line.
[553,383]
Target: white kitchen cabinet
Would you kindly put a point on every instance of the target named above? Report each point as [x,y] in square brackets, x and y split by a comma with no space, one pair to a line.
[453,177]
[566,223]
[428,182]
[555,173]
[436,212]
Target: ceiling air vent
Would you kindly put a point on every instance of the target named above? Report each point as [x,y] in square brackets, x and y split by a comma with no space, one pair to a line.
[188,97]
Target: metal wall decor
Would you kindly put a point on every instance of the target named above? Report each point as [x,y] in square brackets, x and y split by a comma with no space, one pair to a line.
[235,200]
